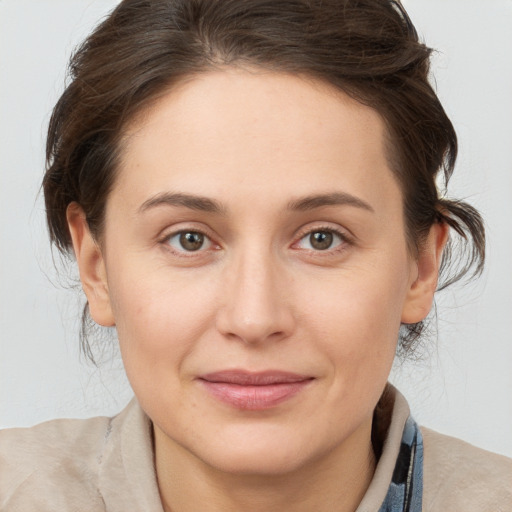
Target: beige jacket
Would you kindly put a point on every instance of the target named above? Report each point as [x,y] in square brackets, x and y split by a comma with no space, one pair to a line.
[106,464]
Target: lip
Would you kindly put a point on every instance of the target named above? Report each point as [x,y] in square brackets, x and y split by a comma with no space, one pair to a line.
[254,391]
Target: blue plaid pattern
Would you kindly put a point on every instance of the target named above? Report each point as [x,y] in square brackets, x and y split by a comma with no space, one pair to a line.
[406,489]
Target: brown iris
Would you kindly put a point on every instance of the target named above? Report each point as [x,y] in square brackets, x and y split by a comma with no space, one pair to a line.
[321,240]
[191,240]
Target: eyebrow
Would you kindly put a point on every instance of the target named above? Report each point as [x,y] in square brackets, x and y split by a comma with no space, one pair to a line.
[332,199]
[193,202]
[205,204]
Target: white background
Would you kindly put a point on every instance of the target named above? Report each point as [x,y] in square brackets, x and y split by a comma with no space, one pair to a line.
[462,388]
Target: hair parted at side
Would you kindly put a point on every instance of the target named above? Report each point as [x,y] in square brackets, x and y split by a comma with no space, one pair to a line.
[367,48]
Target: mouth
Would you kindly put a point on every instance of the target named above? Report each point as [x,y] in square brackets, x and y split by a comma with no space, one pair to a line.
[254,390]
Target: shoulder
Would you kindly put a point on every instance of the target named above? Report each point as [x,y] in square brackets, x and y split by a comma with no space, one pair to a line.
[458,476]
[38,463]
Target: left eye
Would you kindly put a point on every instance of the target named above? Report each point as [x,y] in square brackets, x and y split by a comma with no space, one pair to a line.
[189,241]
[320,240]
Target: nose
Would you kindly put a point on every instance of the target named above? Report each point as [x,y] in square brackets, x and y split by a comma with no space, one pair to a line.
[256,304]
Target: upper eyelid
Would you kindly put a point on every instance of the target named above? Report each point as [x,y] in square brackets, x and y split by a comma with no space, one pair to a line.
[345,234]
[169,232]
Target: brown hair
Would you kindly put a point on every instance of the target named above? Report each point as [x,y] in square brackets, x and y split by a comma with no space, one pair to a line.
[367,48]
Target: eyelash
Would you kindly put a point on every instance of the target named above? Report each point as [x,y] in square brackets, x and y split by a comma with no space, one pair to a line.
[165,240]
[345,240]
[341,246]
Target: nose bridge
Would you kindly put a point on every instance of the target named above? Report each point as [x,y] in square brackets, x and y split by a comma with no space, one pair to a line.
[256,307]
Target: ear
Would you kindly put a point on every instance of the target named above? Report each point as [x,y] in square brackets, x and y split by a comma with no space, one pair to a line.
[91,266]
[424,281]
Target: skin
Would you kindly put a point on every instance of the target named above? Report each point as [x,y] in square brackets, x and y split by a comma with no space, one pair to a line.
[257,295]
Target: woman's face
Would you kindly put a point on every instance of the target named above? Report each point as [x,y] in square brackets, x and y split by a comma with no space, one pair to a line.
[255,264]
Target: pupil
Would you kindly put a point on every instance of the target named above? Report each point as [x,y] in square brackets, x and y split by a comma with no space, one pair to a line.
[321,240]
[191,241]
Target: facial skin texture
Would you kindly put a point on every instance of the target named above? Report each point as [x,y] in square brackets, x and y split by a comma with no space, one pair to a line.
[257,296]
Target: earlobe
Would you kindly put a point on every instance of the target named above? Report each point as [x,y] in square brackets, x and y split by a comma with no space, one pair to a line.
[91,265]
[424,283]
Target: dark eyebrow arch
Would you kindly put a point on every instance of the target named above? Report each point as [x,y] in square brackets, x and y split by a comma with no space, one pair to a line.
[330,199]
[193,202]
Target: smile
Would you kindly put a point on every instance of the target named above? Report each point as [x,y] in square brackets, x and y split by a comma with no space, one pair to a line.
[254,391]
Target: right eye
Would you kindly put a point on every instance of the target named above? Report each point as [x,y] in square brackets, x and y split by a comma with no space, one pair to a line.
[322,240]
[189,241]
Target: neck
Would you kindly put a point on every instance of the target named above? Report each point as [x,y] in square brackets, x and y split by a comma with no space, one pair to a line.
[336,481]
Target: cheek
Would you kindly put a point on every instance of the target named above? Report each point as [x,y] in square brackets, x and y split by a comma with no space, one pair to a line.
[357,331]
[357,316]
[159,316]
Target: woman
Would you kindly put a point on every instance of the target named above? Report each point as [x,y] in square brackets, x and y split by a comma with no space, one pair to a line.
[248,188]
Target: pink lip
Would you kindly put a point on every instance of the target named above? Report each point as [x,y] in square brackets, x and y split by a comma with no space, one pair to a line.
[254,390]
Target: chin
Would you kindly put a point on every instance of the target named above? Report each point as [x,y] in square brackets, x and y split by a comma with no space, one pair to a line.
[258,452]
[257,462]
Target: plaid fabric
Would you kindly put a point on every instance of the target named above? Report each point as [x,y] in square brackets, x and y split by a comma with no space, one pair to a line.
[406,489]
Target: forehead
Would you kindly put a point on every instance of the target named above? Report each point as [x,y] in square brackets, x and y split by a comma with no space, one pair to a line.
[251,129]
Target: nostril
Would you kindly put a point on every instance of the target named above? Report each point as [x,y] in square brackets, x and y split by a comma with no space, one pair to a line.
[273,326]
